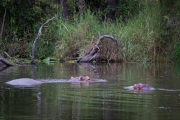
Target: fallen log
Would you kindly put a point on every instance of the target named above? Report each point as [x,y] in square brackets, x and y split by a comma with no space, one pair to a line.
[5,62]
[93,54]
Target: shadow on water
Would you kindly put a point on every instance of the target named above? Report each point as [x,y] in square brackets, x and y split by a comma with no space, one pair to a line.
[107,100]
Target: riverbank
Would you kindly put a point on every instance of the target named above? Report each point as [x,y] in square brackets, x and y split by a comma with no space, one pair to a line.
[150,34]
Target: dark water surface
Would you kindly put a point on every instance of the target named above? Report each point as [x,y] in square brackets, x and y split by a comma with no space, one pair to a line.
[93,101]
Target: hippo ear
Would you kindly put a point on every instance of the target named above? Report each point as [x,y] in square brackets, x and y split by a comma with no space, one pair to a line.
[135,86]
[80,78]
[87,78]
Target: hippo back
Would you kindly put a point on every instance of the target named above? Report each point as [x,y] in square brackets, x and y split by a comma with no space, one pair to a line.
[24,82]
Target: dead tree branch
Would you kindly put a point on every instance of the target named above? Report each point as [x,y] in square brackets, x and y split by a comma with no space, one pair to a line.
[8,55]
[93,53]
[38,36]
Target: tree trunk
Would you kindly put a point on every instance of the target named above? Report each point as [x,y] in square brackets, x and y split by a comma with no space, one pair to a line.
[64,7]
[2,26]
[81,6]
[111,4]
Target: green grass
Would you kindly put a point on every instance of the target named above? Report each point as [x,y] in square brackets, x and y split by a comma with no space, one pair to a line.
[140,35]
[137,38]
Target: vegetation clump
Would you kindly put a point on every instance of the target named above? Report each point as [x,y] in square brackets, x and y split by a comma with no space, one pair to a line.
[145,30]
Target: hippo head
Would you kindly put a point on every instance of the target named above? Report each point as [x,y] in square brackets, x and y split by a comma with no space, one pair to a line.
[81,78]
[141,87]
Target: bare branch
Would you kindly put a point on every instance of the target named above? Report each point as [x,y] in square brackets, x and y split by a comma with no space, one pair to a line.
[8,55]
[38,36]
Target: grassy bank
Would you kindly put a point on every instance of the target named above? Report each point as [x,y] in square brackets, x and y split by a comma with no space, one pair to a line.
[146,30]
[139,38]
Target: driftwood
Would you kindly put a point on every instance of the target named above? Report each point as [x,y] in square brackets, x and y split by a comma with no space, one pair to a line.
[93,53]
[5,62]
[38,36]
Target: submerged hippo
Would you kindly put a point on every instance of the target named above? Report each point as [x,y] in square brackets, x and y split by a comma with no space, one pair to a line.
[140,87]
[28,82]
[85,79]
[24,82]
[80,79]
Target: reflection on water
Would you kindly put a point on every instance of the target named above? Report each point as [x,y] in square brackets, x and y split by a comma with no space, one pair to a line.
[107,100]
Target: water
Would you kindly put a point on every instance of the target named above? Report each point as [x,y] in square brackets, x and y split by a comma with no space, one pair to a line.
[93,101]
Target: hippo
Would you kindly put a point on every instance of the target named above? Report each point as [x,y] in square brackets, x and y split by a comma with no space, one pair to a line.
[140,87]
[80,79]
[28,82]
[85,79]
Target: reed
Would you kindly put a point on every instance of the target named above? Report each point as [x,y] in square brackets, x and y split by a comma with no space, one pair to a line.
[138,38]
[141,34]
